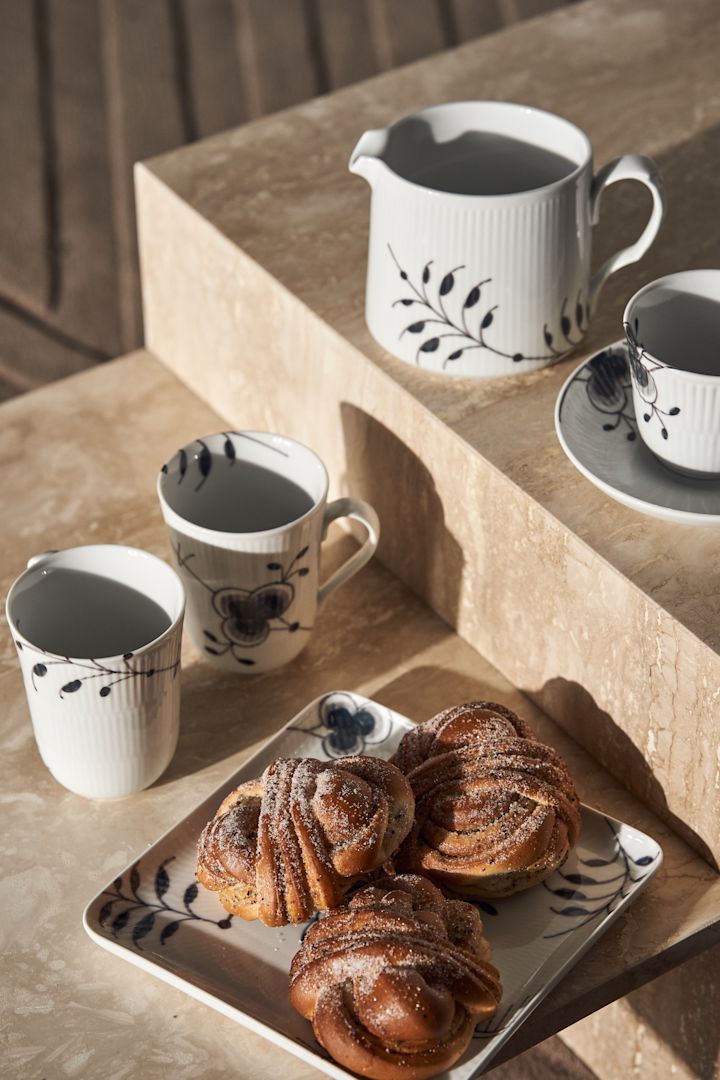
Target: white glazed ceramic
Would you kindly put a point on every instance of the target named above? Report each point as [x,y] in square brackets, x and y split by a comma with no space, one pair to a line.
[155,915]
[253,597]
[597,426]
[670,324]
[486,285]
[105,726]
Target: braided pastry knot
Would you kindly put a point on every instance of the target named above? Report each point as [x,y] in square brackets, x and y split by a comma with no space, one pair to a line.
[395,982]
[291,843]
[496,811]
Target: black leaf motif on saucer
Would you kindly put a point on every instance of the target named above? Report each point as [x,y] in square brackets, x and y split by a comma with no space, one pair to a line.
[608,387]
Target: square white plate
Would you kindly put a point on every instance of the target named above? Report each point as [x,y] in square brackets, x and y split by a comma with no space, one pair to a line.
[155,915]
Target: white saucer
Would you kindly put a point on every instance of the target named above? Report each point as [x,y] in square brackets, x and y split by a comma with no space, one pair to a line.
[596,426]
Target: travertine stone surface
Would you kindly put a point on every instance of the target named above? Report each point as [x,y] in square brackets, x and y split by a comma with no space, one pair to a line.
[253,249]
[665,1029]
[79,463]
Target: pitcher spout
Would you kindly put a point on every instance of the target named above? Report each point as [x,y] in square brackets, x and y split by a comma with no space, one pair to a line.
[365,159]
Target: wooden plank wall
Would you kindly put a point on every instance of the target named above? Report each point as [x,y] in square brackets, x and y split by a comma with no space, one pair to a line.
[87,87]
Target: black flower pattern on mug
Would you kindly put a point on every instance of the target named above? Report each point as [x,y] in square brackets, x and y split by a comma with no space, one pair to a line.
[643,367]
[346,727]
[249,616]
[107,676]
[608,385]
[440,332]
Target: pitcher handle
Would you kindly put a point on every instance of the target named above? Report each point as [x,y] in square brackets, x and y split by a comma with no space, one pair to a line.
[628,167]
[358,511]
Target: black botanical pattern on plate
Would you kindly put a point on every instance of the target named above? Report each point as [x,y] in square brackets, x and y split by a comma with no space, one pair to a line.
[438,332]
[643,366]
[203,458]
[585,894]
[249,616]
[608,386]
[346,727]
[107,676]
[127,907]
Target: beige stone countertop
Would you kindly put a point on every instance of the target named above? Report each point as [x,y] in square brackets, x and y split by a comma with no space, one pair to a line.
[638,77]
[79,462]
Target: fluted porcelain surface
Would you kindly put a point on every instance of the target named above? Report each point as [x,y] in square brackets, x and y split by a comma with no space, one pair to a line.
[106,727]
[252,596]
[486,284]
[678,410]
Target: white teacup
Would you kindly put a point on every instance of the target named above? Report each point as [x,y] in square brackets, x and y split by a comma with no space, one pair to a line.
[481,233]
[98,632]
[246,512]
[672,327]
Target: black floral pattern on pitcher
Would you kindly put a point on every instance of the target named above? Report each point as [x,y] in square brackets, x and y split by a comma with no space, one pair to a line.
[438,332]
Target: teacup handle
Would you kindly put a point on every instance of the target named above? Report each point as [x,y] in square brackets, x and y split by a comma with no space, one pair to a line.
[359,511]
[629,167]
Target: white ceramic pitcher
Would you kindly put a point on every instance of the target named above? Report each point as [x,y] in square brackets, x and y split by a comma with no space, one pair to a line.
[480,235]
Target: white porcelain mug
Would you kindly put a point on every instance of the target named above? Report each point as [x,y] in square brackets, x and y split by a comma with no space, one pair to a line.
[672,327]
[480,236]
[98,633]
[246,512]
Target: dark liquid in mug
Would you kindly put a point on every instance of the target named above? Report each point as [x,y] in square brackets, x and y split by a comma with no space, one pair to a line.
[74,613]
[478,163]
[682,330]
[241,497]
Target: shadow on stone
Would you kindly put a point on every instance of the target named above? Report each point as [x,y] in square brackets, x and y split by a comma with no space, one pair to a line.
[577,712]
[415,542]
[692,190]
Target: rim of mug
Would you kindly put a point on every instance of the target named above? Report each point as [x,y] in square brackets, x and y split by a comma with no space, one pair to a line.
[215,536]
[691,376]
[42,560]
[510,106]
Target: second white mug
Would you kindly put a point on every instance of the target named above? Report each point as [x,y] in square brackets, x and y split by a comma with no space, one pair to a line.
[672,327]
[247,512]
[97,630]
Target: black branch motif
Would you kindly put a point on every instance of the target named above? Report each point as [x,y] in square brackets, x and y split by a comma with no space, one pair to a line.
[440,332]
[204,458]
[584,894]
[96,669]
[125,904]
[643,366]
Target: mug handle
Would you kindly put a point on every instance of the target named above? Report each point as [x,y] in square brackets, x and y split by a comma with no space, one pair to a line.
[628,167]
[358,511]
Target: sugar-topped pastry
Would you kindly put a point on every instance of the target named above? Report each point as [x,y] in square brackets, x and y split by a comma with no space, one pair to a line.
[395,982]
[291,843]
[496,810]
